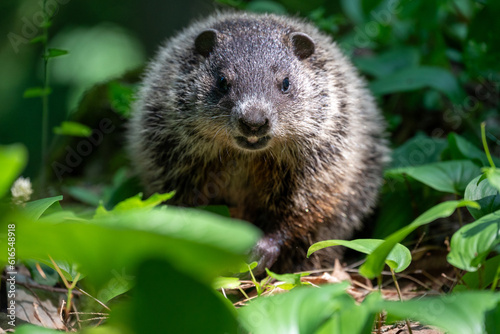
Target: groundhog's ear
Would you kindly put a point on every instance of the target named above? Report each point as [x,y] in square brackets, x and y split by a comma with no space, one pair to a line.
[206,42]
[303,45]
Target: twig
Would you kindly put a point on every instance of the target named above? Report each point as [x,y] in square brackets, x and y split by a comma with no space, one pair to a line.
[396,284]
[97,300]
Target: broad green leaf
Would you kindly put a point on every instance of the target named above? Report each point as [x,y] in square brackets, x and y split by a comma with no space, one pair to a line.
[472,243]
[36,92]
[460,148]
[414,78]
[458,313]
[167,300]
[135,202]
[35,209]
[194,241]
[226,283]
[73,129]
[417,151]
[302,310]
[375,261]
[52,53]
[493,175]
[388,62]
[13,159]
[293,279]
[447,176]
[398,259]
[478,280]
[484,194]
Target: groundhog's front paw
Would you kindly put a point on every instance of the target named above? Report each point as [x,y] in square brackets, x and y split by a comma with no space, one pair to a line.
[265,253]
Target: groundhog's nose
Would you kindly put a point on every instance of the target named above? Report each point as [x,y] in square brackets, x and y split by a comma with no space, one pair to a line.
[257,126]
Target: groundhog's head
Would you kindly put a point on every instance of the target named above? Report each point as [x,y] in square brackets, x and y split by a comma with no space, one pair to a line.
[254,84]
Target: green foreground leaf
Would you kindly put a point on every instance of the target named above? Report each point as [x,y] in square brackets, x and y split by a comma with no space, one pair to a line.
[375,261]
[398,259]
[35,209]
[472,243]
[197,242]
[167,300]
[460,313]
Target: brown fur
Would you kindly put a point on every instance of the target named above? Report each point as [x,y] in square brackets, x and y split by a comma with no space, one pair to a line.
[319,169]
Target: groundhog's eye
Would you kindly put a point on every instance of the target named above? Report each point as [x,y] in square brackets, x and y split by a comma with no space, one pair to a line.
[285,85]
[222,84]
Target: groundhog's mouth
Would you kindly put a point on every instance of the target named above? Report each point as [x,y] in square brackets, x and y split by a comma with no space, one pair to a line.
[252,142]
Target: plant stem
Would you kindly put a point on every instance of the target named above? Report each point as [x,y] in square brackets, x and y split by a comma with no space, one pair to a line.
[400,297]
[495,280]
[459,213]
[485,144]
[45,100]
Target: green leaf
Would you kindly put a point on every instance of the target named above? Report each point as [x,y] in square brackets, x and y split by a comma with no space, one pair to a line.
[36,92]
[472,243]
[293,279]
[447,176]
[302,310]
[13,159]
[388,62]
[167,300]
[460,148]
[195,241]
[32,329]
[353,318]
[73,129]
[458,313]
[135,202]
[414,78]
[375,261]
[417,151]
[398,259]
[492,321]
[481,191]
[52,53]
[478,280]
[226,283]
[35,209]
[493,175]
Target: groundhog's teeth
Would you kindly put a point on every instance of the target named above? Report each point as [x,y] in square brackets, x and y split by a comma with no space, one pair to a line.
[262,113]
[252,139]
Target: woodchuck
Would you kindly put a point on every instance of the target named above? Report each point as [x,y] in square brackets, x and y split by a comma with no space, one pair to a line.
[262,113]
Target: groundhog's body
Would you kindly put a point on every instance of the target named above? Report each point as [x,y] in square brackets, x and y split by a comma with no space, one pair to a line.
[263,114]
